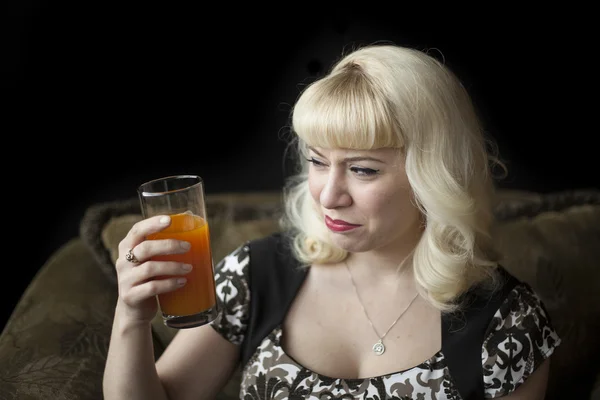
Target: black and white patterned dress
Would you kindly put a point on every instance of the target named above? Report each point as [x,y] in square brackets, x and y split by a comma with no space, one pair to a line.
[518,339]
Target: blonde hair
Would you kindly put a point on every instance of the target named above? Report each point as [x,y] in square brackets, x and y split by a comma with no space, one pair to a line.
[391,96]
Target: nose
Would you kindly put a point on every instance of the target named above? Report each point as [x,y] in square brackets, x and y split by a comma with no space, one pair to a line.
[334,193]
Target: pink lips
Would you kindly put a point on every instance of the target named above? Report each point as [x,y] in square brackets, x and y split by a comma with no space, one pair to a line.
[337,225]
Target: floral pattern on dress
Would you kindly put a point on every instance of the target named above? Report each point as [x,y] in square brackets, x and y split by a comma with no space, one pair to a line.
[233,295]
[272,374]
[519,338]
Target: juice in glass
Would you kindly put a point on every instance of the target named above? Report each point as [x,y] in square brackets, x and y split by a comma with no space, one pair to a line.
[182,197]
[198,294]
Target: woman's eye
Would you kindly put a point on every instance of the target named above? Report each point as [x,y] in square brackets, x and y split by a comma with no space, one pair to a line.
[315,162]
[364,171]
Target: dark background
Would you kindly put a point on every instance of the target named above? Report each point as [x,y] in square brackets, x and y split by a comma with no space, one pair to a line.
[99,97]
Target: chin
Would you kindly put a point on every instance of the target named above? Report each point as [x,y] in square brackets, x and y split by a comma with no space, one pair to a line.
[348,243]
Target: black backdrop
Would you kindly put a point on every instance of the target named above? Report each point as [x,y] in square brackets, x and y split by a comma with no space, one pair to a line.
[99,97]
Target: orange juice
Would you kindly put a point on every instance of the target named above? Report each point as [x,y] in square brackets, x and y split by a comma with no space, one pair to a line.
[198,294]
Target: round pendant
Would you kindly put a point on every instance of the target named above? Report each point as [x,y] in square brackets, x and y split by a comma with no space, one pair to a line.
[379,348]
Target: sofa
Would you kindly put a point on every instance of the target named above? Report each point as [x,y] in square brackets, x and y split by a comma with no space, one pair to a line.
[55,342]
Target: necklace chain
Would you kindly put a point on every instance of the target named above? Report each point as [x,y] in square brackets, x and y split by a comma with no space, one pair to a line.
[378,347]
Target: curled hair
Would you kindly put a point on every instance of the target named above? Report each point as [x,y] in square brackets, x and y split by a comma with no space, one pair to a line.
[391,96]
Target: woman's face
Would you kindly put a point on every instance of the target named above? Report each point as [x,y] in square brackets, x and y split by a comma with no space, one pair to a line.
[364,198]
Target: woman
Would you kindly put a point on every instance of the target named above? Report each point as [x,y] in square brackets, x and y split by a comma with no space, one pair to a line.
[383,283]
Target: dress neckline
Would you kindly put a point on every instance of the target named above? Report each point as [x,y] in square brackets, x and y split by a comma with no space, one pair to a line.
[425,364]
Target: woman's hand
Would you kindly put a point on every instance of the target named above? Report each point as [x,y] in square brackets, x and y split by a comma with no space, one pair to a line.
[141,279]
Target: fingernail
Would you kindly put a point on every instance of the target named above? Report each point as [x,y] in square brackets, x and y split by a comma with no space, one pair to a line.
[185,245]
[187,267]
[164,220]
[181,281]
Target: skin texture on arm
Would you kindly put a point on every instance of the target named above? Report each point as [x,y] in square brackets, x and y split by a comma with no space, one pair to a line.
[197,364]
[534,388]
[129,371]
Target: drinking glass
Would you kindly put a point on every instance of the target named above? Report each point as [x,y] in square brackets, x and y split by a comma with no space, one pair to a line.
[182,198]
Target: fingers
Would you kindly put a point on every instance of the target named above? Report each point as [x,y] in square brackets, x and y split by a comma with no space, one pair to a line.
[143,254]
[159,269]
[152,278]
[140,277]
[140,230]
[138,294]
[151,248]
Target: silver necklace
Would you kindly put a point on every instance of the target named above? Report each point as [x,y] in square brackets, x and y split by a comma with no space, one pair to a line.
[379,347]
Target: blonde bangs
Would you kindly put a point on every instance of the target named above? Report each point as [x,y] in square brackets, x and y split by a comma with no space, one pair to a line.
[346,110]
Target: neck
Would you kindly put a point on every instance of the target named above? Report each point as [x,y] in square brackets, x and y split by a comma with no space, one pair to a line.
[387,263]
[380,271]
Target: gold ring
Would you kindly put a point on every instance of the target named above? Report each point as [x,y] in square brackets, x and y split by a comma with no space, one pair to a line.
[130,257]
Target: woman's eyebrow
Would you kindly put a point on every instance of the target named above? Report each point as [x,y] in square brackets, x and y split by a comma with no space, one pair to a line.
[360,158]
[350,159]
